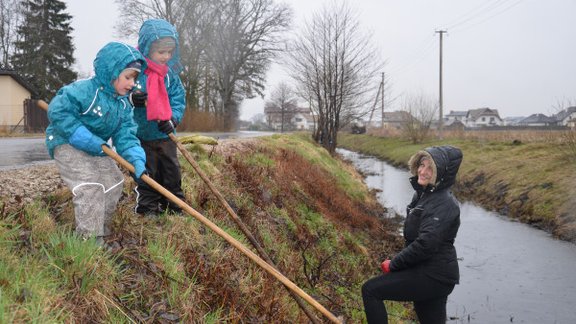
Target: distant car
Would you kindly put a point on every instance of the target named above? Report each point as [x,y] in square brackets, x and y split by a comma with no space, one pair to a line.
[358,129]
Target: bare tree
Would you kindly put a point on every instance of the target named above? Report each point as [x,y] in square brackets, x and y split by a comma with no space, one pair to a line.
[420,113]
[140,10]
[10,18]
[245,37]
[336,68]
[282,106]
[227,47]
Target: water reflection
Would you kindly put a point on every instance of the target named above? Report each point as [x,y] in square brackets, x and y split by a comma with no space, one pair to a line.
[510,272]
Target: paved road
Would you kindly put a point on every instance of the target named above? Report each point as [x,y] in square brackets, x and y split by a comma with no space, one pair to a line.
[23,151]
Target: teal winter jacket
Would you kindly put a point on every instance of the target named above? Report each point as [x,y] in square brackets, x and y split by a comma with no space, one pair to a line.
[150,31]
[94,104]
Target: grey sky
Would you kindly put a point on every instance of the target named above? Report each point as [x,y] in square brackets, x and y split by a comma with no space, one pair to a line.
[517,56]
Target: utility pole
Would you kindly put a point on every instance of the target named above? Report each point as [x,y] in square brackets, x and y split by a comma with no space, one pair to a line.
[382,85]
[440,99]
[380,88]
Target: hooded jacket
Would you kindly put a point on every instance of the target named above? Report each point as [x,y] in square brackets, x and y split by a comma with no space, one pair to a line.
[94,103]
[433,219]
[152,30]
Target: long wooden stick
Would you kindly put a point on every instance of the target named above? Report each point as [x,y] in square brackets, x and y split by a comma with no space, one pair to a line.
[235,243]
[237,220]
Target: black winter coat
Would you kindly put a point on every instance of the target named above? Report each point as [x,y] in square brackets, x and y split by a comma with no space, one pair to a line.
[432,222]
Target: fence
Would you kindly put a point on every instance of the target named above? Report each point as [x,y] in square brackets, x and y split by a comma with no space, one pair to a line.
[35,119]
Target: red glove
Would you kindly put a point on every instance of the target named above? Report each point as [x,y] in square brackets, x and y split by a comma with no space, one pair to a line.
[385,266]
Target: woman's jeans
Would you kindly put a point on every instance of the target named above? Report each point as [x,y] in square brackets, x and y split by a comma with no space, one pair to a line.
[429,295]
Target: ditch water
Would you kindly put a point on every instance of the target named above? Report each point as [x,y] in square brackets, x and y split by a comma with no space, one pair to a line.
[509,271]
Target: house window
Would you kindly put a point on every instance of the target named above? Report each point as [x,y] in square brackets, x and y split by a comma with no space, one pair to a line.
[483,119]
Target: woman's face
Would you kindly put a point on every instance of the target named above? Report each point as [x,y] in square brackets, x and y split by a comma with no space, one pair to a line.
[425,172]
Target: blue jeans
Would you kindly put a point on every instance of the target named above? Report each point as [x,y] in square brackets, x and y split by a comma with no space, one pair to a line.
[429,295]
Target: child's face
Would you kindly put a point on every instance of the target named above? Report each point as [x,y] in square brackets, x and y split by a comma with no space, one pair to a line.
[161,55]
[125,82]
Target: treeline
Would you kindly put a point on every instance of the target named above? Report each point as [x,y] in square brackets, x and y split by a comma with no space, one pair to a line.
[227,47]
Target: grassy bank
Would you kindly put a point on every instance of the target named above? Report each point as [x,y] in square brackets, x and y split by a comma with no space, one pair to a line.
[310,212]
[529,181]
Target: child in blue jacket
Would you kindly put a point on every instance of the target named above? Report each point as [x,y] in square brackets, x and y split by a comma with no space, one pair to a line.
[83,116]
[159,102]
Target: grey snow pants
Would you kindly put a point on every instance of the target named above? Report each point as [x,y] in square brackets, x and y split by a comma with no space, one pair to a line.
[96,185]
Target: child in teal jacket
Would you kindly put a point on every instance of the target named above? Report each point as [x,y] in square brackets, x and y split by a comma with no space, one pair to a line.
[83,116]
[159,102]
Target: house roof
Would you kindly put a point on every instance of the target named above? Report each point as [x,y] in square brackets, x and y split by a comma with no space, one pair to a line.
[457,113]
[538,119]
[18,79]
[480,112]
[396,117]
[565,113]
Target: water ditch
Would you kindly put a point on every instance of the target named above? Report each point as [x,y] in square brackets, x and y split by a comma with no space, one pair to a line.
[509,271]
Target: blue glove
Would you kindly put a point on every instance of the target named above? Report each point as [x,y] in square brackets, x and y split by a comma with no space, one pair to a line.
[139,169]
[84,140]
[136,156]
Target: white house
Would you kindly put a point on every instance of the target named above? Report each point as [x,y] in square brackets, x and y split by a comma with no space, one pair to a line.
[460,116]
[566,117]
[483,117]
[293,117]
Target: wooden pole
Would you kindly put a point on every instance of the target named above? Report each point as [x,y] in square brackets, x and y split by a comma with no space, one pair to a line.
[237,220]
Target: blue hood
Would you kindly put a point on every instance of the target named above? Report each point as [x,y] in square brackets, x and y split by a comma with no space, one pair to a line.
[154,29]
[111,60]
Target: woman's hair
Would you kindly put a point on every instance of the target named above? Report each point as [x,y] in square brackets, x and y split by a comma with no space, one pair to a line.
[416,160]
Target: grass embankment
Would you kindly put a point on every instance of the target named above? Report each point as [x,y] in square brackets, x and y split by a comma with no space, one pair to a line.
[532,182]
[310,212]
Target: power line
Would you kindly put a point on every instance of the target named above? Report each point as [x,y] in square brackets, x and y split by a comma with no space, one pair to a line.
[490,17]
[476,12]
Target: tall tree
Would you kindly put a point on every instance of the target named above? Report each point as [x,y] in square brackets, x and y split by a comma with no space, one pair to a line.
[244,40]
[10,17]
[227,47]
[44,53]
[336,68]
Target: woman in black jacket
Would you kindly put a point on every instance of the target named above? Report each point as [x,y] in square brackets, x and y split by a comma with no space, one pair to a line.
[426,270]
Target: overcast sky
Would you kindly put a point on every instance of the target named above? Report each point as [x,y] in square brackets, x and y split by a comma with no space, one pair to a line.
[516,56]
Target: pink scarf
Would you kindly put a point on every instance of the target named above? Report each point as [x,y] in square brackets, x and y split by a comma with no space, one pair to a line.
[158,107]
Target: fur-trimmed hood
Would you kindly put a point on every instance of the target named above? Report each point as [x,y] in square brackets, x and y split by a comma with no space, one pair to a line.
[446,160]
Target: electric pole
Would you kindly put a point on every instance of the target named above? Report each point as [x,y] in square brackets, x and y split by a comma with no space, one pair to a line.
[382,85]
[440,99]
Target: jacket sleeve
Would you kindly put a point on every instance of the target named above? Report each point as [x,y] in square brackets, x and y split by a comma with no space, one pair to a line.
[64,112]
[177,97]
[434,226]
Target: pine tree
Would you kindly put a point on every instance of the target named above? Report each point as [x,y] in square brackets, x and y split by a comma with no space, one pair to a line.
[44,52]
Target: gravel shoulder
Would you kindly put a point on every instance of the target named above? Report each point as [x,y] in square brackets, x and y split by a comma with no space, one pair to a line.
[24,184]
[28,183]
